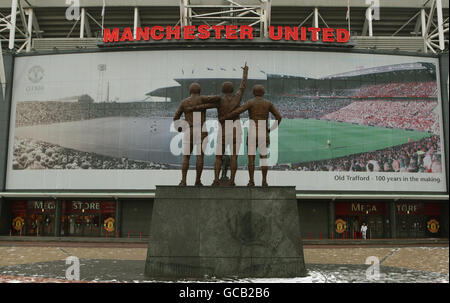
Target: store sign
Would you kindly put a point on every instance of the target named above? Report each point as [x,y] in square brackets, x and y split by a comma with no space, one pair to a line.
[409,208]
[78,205]
[90,207]
[359,208]
[46,205]
[363,208]
[230,32]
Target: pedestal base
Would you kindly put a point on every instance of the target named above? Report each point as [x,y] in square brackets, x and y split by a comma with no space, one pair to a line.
[199,232]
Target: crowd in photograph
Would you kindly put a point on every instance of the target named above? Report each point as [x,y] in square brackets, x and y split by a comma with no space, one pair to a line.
[399,90]
[294,108]
[412,114]
[421,156]
[310,103]
[48,112]
[33,154]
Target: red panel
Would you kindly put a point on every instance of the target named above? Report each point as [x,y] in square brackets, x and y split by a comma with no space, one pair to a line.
[341,208]
[432,209]
[18,207]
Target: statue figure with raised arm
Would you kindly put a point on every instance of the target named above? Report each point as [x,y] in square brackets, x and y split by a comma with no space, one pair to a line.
[225,105]
[258,134]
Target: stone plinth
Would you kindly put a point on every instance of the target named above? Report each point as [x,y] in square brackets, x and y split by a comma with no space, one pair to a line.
[199,232]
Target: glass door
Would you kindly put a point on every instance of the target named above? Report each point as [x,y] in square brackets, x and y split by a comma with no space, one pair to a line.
[402,226]
[75,225]
[47,225]
[375,227]
[91,226]
[410,226]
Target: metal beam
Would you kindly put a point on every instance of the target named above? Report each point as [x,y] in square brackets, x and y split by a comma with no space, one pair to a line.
[365,27]
[369,20]
[223,12]
[234,13]
[417,27]
[30,14]
[136,21]
[175,3]
[93,19]
[407,22]
[84,25]
[424,29]
[22,17]
[87,26]
[430,16]
[440,24]
[37,29]
[2,72]
[12,29]
[73,27]
[306,19]
[316,21]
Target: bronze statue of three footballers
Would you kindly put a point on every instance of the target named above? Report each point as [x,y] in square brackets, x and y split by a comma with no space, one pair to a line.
[229,131]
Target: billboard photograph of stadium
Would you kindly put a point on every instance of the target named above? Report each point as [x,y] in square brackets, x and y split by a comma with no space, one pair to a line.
[351,121]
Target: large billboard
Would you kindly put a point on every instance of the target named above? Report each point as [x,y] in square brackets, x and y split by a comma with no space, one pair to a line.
[103,120]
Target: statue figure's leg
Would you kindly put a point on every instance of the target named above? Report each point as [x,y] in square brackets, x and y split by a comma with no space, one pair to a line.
[234,157]
[184,169]
[198,178]
[264,170]
[233,166]
[220,151]
[251,149]
[187,150]
[263,159]
[217,168]
[225,164]
[199,164]
[251,170]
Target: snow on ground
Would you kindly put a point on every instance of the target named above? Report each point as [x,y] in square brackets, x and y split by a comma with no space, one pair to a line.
[324,265]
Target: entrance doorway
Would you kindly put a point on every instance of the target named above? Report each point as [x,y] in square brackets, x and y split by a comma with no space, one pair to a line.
[410,226]
[81,225]
[87,218]
[375,227]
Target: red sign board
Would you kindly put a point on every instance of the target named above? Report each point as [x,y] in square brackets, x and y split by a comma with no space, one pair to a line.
[359,208]
[19,207]
[42,206]
[230,32]
[90,207]
[409,208]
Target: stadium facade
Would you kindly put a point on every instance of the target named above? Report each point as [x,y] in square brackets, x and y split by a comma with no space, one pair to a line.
[85,125]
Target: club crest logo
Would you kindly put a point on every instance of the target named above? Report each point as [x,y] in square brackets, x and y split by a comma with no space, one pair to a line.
[109,224]
[18,223]
[36,74]
[341,226]
[433,226]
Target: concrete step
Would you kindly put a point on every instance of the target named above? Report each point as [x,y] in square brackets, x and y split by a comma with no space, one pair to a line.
[361,242]
[144,240]
[73,239]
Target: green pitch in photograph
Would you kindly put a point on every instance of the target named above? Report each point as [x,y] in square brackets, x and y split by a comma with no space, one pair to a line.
[307,140]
